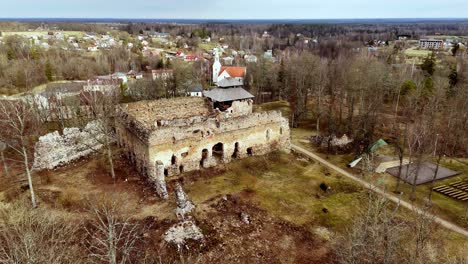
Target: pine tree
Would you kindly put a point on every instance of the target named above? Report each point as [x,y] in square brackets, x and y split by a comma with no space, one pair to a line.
[48,71]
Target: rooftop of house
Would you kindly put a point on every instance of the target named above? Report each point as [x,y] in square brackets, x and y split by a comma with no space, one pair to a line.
[233,71]
[147,113]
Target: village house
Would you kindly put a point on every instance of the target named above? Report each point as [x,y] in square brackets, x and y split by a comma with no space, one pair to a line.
[228,60]
[250,58]
[222,72]
[105,85]
[171,136]
[134,75]
[195,90]
[120,76]
[162,74]
[190,58]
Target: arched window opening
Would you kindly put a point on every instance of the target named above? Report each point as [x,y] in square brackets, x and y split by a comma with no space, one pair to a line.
[250,151]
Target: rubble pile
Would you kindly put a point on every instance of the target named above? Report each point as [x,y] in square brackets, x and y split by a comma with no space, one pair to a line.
[181,232]
[184,205]
[334,141]
[186,229]
[53,150]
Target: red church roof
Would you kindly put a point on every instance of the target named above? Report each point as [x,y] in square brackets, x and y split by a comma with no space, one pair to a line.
[233,71]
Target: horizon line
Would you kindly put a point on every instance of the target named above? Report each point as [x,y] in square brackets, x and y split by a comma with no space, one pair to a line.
[238,19]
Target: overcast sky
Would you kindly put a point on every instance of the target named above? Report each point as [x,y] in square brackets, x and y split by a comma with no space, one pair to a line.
[234,9]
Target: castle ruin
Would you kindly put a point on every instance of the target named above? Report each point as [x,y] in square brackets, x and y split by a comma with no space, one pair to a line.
[171,136]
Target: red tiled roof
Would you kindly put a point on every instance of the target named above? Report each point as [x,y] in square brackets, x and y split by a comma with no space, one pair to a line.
[233,71]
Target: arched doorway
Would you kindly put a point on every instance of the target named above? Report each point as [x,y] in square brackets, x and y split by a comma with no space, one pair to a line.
[218,151]
[235,154]
[204,157]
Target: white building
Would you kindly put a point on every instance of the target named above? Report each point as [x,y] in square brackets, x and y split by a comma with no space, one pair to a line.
[431,44]
[216,66]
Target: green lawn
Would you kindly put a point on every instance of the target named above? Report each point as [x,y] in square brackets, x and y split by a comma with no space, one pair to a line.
[208,46]
[415,52]
[287,187]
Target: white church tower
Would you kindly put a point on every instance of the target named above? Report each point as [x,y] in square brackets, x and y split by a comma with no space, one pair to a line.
[216,66]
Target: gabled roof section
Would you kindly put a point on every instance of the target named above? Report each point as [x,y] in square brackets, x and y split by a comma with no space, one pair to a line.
[226,95]
[233,71]
[230,82]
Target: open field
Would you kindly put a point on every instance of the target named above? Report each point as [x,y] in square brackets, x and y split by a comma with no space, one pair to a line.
[445,37]
[208,46]
[28,34]
[415,52]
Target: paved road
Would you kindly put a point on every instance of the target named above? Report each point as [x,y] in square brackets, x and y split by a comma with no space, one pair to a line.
[374,188]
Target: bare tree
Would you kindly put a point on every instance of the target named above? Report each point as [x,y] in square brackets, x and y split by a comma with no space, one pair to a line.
[421,230]
[35,236]
[101,107]
[112,238]
[3,147]
[17,130]
[375,237]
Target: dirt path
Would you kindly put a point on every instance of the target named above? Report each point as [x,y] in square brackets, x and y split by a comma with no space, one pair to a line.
[374,188]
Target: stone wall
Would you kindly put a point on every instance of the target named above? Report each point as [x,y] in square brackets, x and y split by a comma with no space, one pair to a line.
[191,147]
[186,142]
[54,150]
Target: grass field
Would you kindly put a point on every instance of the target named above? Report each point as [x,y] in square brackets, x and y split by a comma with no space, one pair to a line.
[28,34]
[288,187]
[446,37]
[208,46]
[448,208]
[415,52]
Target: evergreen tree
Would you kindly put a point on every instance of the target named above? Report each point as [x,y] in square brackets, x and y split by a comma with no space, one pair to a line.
[48,71]
[429,64]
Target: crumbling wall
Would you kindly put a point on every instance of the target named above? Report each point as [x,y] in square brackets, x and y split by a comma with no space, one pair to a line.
[238,108]
[192,147]
[54,150]
[186,144]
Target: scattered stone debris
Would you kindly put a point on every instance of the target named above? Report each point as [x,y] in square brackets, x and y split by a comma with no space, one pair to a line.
[181,232]
[334,141]
[184,205]
[53,150]
[245,218]
[323,232]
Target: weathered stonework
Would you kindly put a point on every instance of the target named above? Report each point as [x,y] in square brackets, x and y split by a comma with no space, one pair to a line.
[186,134]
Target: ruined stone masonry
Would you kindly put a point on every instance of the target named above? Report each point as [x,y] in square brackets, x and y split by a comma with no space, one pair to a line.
[53,150]
[170,136]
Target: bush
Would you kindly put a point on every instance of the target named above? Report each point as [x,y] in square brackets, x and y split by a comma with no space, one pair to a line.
[36,236]
[70,197]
